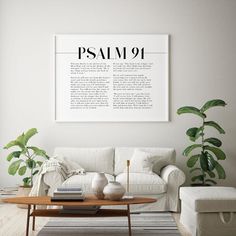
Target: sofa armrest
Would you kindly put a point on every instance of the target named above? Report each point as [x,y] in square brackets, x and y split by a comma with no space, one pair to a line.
[54,180]
[174,177]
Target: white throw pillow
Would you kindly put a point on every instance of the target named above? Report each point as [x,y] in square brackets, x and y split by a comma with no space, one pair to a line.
[142,162]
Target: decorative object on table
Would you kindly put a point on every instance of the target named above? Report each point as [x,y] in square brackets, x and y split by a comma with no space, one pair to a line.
[98,183]
[25,159]
[207,161]
[128,195]
[114,191]
[68,194]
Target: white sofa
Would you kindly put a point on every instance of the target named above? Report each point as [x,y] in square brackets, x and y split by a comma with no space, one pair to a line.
[164,185]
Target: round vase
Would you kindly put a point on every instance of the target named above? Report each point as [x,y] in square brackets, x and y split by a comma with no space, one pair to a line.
[114,191]
[98,183]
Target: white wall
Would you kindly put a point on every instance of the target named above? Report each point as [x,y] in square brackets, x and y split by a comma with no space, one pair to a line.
[202,66]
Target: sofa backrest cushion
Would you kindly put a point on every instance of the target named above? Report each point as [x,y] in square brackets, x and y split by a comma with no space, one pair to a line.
[122,154]
[91,159]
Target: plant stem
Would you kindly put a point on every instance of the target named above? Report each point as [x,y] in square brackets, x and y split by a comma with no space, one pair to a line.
[203,126]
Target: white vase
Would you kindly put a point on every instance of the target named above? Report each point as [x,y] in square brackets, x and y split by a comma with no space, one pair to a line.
[98,183]
[114,191]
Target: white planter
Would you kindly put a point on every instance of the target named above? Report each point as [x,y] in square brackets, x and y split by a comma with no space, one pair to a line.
[114,191]
[23,192]
[98,183]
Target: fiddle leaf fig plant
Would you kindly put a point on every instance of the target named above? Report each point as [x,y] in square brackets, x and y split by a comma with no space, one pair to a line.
[25,157]
[205,162]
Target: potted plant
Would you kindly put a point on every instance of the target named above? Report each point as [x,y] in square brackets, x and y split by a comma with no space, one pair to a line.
[23,158]
[206,162]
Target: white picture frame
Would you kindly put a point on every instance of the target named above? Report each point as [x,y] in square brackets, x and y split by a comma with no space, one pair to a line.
[111,78]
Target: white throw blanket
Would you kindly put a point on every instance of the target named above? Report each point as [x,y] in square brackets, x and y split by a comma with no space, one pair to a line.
[64,167]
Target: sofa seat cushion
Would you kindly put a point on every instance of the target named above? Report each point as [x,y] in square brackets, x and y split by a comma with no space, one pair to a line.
[84,181]
[209,199]
[142,183]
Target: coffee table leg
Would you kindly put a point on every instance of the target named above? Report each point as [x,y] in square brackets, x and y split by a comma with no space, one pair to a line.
[28,220]
[33,225]
[129,221]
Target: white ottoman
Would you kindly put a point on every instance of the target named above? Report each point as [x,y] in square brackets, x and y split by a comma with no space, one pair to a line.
[208,211]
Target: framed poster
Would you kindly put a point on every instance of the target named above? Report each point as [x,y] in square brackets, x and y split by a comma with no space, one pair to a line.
[111,77]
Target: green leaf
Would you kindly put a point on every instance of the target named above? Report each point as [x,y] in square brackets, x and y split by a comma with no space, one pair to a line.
[39,163]
[14,154]
[215,125]
[211,174]
[194,133]
[29,134]
[194,169]
[211,161]
[14,143]
[37,151]
[14,167]
[217,151]
[189,109]
[31,163]
[190,149]
[214,141]
[27,181]
[211,181]
[212,103]
[204,162]
[35,172]
[198,177]
[192,160]
[220,171]
[22,170]
[21,139]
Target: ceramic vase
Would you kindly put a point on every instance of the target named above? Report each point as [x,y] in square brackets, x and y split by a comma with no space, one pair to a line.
[114,191]
[98,183]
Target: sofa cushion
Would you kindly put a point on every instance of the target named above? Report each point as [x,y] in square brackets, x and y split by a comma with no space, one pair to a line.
[142,184]
[91,159]
[83,181]
[122,154]
[142,162]
[209,199]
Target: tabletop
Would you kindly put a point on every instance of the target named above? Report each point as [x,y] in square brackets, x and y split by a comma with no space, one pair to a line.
[89,201]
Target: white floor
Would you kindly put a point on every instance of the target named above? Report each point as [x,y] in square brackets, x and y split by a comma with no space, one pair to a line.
[13,221]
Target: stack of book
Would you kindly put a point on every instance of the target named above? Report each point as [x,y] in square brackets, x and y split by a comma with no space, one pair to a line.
[68,194]
[85,210]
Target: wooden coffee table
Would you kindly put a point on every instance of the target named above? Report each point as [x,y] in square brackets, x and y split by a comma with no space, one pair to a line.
[89,201]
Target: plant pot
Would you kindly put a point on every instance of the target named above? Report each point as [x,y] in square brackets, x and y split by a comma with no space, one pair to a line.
[114,191]
[98,183]
[23,192]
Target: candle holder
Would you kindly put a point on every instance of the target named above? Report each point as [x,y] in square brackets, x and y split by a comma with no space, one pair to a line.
[128,195]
